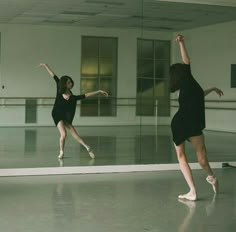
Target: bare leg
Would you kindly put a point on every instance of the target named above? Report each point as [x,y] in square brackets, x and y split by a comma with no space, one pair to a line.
[63,134]
[185,169]
[199,145]
[79,140]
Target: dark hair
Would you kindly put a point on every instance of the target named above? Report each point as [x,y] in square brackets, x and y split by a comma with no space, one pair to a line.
[177,75]
[62,84]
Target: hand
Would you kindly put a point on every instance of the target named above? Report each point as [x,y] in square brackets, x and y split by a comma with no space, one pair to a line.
[179,38]
[218,91]
[103,93]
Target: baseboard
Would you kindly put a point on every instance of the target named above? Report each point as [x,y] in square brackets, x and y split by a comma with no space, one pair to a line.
[97,169]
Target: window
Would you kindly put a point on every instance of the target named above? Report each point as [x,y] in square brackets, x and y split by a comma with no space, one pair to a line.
[153,63]
[99,71]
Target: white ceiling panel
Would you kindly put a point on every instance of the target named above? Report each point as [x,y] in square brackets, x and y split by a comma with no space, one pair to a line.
[155,14]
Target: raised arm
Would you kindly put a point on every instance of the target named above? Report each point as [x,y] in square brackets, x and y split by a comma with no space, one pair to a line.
[47,68]
[185,58]
[96,92]
[218,91]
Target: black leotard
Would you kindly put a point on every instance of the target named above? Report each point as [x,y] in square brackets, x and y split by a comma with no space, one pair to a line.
[64,110]
[190,118]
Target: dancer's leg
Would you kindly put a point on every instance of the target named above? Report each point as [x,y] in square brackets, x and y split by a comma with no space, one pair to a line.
[199,144]
[76,136]
[62,130]
[185,169]
[79,140]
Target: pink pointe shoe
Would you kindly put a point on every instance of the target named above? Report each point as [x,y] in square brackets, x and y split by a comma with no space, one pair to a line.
[214,182]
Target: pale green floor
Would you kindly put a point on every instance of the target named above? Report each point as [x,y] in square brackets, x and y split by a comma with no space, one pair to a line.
[127,202]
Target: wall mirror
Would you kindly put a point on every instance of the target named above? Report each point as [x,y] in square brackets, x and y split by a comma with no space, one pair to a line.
[124,47]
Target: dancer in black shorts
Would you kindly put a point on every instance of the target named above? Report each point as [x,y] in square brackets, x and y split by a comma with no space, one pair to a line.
[189,121]
[64,109]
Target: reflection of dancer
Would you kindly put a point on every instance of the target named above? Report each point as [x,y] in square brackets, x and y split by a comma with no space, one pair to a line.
[64,109]
[210,208]
[191,205]
[64,209]
[189,121]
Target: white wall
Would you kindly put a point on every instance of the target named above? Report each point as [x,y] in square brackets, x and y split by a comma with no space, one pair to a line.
[24,46]
[212,50]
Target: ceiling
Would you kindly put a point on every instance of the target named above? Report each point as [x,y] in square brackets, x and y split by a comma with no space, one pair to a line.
[150,14]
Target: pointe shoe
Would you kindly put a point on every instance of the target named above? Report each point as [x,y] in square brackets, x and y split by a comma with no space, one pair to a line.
[61,155]
[214,182]
[188,196]
[91,154]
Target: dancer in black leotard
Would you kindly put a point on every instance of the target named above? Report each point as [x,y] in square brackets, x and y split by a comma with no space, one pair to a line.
[64,109]
[189,121]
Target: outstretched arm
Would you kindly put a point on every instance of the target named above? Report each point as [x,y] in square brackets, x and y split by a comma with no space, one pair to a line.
[47,68]
[185,58]
[218,91]
[96,92]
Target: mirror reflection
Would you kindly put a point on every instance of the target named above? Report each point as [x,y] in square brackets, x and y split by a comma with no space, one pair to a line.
[124,48]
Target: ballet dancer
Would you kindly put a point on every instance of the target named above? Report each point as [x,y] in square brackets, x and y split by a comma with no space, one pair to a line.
[64,109]
[189,121]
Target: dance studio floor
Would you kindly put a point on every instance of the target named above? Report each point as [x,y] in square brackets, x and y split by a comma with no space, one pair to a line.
[36,147]
[129,201]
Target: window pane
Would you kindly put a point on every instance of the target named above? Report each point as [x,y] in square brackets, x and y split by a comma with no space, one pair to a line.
[107,107]
[105,67]
[106,84]
[145,68]
[145,86]
[161,88]
[145,106]
[145,49]
[162,94]
[162,50]
[108,47]
[89,46]
[89,107]
[89,66]
[162,69]
[88,85]
[163,106]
